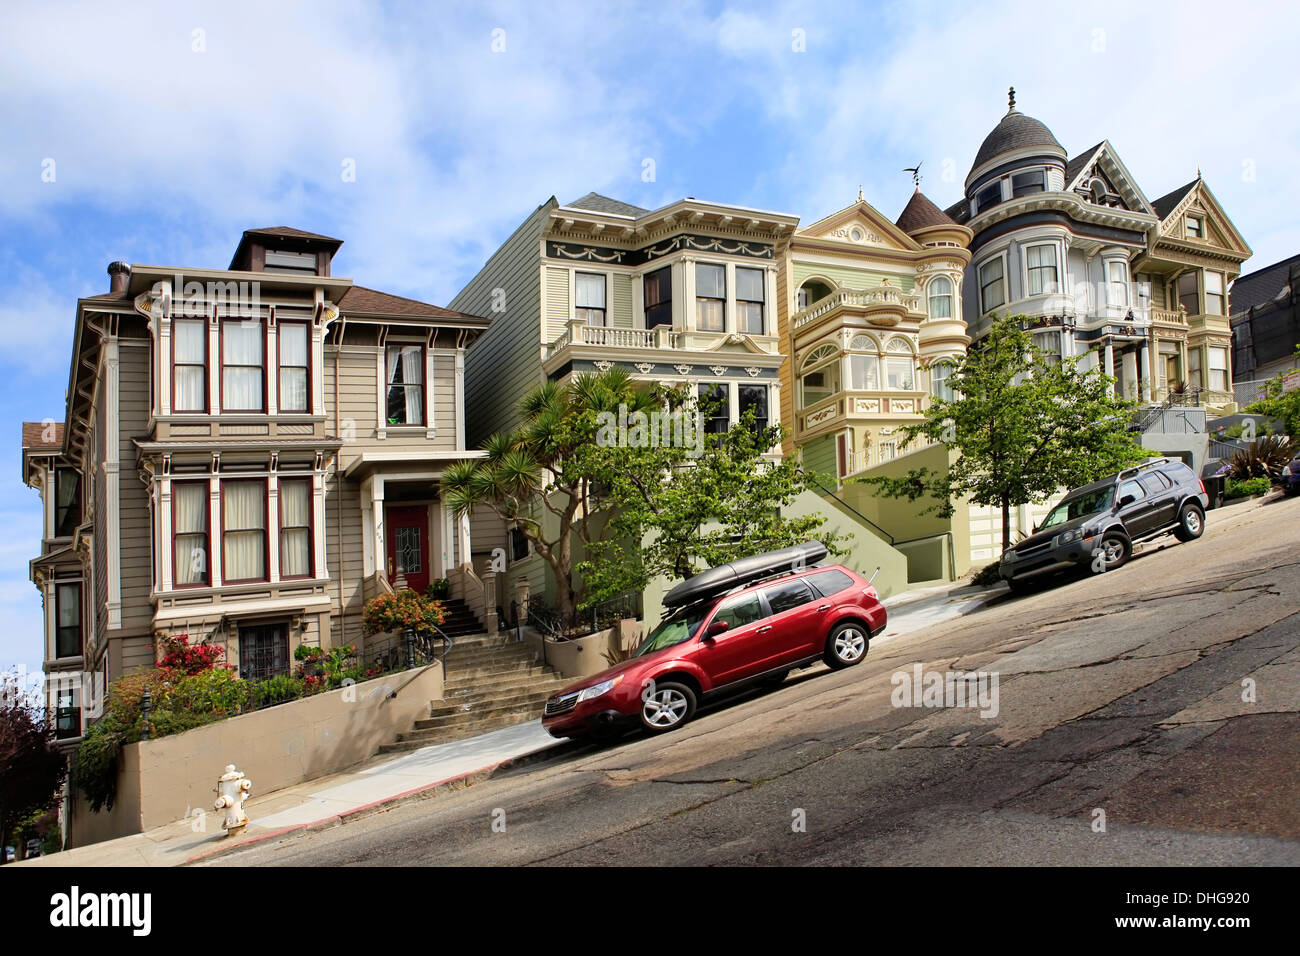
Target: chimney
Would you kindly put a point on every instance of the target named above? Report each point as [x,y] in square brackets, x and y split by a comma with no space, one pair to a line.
[119,275]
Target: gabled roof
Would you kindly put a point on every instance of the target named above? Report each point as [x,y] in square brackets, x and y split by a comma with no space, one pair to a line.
[1106,158]
[1077,165]
[371,301]
[1169,201]
[35,433]
[598,203]
[920,213]
[1256,288]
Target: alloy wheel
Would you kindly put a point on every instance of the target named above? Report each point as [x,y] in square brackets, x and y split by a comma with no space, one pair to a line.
[664,708]
[849,644]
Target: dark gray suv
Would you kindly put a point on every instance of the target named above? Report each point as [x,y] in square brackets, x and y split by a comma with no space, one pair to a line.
[1095,526]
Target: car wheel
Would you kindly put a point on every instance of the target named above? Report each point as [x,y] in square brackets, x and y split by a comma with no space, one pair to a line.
[1113,551]
[1018,585]
[846,645]
[666,706]
[1191,523]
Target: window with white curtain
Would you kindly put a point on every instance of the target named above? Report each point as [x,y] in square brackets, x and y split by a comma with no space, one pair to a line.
[1041,261]
[898,372]
[589,293]
[405,384]
[940,374]
[864,373]
[189,533]
[1118,275]
[67,602]
[992,293]
[243,535]
[189,365]
[940,297]
[242,365]
[750,295]
[710,296]
[294,366]
[295,528]
[1214,293]
[1219,369]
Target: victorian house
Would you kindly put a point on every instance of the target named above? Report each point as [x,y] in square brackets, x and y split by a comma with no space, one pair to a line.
[685,295]
[872,318]
[247,454]
[1137,288]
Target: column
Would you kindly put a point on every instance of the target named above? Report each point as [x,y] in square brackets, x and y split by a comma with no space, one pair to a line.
[1110,363]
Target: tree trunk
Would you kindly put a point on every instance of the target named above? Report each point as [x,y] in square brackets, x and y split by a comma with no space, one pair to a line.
[1006,523]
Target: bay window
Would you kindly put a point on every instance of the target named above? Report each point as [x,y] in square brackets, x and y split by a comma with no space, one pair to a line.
[1034,181]
[820,384]
[710,296]
[67,502]
[1041,262]
[898,372]
[189,365]
[659,298]
[750,296]
[294,367]
[67,613]
[988,196]
[295,528]
[1188,294]
[1218,369]
[716,408]
[405,376]
[243,530]
[940,376]
[1194,368]
[992,287]
[864,373]
[189,533]
[1214,293]
[940,291]
[1118,276]
[589,292]
[242,365]
[753,398]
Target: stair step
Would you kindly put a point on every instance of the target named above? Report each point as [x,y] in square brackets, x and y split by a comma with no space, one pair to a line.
[523,708]
[482,705]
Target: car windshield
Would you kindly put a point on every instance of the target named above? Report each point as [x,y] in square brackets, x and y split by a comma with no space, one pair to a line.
[1079,506]
[680,626]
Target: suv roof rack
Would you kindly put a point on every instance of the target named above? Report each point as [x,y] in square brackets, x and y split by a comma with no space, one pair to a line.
[759,567]
[1138,469]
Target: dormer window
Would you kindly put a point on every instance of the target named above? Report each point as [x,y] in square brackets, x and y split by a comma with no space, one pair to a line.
[988,196]
[1034,181]
[280,260]
[1195,227]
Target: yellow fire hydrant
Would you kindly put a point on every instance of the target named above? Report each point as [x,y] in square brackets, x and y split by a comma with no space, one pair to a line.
[232,790]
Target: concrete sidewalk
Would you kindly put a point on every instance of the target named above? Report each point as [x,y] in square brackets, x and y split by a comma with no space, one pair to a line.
[329,801]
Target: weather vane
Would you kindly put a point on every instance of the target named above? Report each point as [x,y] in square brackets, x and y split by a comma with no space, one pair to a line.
[916,174]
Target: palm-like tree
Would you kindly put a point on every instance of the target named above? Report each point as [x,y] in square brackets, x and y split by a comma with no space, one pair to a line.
[550,463]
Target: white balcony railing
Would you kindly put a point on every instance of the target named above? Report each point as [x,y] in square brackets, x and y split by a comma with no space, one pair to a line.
[860,298]
[579,333]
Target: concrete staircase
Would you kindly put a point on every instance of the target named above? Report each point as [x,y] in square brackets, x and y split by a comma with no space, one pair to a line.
[491,683]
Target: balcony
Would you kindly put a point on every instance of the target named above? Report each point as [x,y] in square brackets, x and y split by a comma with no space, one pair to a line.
[857,404]
[579,335]
[1169,317]
[883,305]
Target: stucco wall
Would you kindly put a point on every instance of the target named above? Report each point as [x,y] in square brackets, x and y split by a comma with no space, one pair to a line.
[161,781]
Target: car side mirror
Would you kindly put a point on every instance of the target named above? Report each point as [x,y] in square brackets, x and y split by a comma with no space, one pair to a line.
[1126,501]
[717,627]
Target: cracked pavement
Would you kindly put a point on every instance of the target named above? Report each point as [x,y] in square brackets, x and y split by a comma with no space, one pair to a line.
[1162,699]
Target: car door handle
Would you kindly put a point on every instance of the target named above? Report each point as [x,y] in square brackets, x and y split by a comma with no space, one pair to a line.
[765,627]
[824,607]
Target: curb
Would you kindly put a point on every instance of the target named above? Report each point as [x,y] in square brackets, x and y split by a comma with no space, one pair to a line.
[458,782]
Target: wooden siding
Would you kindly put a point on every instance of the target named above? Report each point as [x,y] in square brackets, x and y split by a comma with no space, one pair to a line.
[343,520]
[558,311]
[621,301]
[135,544]
[504,363]
[851,277]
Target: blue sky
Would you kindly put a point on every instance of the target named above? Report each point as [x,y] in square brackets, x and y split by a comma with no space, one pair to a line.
[173,127]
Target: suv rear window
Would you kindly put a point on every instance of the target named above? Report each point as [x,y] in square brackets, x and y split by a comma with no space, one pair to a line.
[829,582]
[785,596]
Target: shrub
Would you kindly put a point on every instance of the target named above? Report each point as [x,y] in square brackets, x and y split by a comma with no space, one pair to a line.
[439,589]
[988,575]
[401,610]
[1265,458]
[1244,488]
[275,690]
[180,655]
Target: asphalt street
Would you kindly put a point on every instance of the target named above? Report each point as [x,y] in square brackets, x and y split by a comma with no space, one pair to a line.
[1148,715]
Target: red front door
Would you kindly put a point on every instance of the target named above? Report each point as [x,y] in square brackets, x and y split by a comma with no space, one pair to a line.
[406,529]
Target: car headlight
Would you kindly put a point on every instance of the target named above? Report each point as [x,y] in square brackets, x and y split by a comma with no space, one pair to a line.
[1286,470]
[1008,555]
[595,690]
[1068,536]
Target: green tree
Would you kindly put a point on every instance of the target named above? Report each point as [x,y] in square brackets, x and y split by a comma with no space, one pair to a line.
[1022,425]
[699,511]
[554,464]
[31,769]
[1277,404]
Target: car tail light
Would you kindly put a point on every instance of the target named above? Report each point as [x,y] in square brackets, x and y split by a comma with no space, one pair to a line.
[870,591]
[1202,484]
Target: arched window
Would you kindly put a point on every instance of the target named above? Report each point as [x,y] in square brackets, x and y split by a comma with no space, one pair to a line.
[820,378]
[899,367]
[940,297]
[864,370]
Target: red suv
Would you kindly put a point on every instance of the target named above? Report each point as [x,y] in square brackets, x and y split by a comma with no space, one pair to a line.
[734,625]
